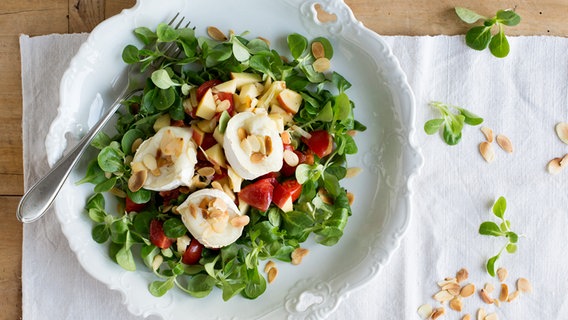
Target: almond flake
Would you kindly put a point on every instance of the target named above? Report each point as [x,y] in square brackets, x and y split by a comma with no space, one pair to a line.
[291,158]
[462,275]
[452,288]
[350,197]
[505,143]
[437,313]
[269,265]
[562,131]
[504,292]
[523,285]
[564,161]
[467,290]
[489,287]
[353,172]
[136,144]
[137,180]
[491,316]
[272,273]
[240,221]
[216,34]
[443,296]
[485,297]
[513,296]
[466,317]
[298,254]
[268,145]
[481,314]
[502,274]
[206,171]
[257,157]
[321,64]
[425,311]
[446,281]
[554,166]
[318,51]
[456,304]
[486,150]
[488,133]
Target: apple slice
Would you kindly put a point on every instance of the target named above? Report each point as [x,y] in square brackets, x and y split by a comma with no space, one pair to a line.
[320,142]
[242,78]
[206,108]
[273,91]
[249,90]
[197,135]
[227,86]
[290,100]
[216,156]
[282,198]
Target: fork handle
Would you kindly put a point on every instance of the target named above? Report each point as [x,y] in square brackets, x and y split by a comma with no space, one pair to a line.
[37,200]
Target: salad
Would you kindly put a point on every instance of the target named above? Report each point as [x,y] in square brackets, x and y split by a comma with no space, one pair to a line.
[232,154]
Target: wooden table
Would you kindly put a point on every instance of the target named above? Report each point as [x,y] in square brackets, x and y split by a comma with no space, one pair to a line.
[387,17]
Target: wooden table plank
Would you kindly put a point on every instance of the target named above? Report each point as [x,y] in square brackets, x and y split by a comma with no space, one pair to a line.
[10,259]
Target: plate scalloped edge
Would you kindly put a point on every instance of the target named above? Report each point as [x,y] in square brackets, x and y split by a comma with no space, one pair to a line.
[332,294]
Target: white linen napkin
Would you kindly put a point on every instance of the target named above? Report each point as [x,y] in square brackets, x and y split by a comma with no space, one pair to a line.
[522,96]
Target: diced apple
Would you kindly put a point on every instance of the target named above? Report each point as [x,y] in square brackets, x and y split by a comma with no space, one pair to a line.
[278,120]
[197,135]
[243,78]
[290,100]
[277,110]
[207,126]
[215,155]
[273,91]
[243,104]
[207,107]
[227,86]
[218,136]
[249,90]
[235,179]
[282,198]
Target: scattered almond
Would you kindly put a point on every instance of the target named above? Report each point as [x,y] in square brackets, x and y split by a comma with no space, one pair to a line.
[489,287]
[425,311]
[485,296]
[467,290]
[443,296]
[437,313]
[554,166]
[505,143]
[488,133]
[452,288]
[456,304]
[502,274]
[216,34]
[298,254]
[137,180]
[353,172]
[564,161]
[269,265]
[491,316]
[481,314]
[318,51]
[272,273]
[321,64]
[466,317]
[562,131]
[206,171]
[523,285]
[257,157]
[487,152]
[240,221]
[513,296]
[462,275]
[350,197]
[446,281]
[504,292]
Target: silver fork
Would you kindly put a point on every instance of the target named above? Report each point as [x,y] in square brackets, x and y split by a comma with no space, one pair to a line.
[37,200]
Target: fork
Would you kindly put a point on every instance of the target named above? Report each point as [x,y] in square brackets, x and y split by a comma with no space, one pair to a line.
[37,200]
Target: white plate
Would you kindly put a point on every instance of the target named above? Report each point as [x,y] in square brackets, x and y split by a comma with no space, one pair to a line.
[381,212]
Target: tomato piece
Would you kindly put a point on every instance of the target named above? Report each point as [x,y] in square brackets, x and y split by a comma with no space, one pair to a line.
[205,86]
[258,194]
[133,206]
[157,235]
[192,253]
[294,187]
[320,142]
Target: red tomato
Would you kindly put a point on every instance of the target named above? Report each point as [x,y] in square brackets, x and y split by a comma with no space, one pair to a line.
[258,194]
[320,142]
[294,187]
[133,206]
[157,235]
[205,86]
[192,254]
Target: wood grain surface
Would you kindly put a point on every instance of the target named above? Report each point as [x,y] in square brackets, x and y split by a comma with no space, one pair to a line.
[33,17]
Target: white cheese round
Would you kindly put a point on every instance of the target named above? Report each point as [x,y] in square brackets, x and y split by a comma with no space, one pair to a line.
[212,218]
[169,157]
[261,153]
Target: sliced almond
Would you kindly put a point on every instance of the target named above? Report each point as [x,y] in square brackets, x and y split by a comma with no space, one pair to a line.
[452,288]
[245,146]
[240,221]
[272,273]
[350,197]
[318,51]
[353,172]
[150,162]
[206,171]
[137,180]
[505,143]
[562,131]
[481,314]
[456,304]
[286,139]
[491,316]
[462,275]
[298,254]
[523,285]
[438,313]
[425,311]
[216,34]
[257,157]
[497,302]
[466,316]
[217,185]
[504,292]
[486,150]
[502,274]
[467,290]
[485,296]
[554,166]
[269,265]
[488,133]
[446,281]
[513,296]
[138,166]
[291,158]
[489,287]
[564,161]
[136,144]
[442,296]
[267,145]
[321,65]
[241,133]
